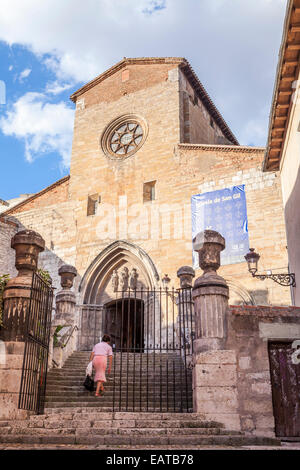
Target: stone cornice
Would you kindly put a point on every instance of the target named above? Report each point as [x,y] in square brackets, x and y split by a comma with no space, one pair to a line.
[221,148]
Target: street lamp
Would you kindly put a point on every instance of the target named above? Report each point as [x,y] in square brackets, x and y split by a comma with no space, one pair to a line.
[252,258]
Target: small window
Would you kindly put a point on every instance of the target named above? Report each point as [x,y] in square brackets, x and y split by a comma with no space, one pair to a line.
[212,122]
[92,204]
[149,191]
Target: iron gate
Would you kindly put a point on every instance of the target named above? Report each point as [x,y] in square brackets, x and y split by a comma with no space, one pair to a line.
[37,337]
[151,334]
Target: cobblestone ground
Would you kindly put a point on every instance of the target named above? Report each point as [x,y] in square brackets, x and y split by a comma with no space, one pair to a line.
[284,446]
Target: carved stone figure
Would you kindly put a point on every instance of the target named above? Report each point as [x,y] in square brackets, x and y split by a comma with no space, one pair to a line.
[115,280]
[133,278]
[124,279]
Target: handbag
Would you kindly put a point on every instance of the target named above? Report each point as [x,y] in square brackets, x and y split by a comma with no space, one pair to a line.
[89,383]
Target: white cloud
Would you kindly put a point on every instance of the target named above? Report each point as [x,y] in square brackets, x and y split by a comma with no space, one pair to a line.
[24,74]
[232,44]
[44,127]
[55,88]
[10,68]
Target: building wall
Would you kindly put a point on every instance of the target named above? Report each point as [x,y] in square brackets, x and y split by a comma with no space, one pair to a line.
[195,120]
[290,178]
[211,168]
[7,255]
[249,330]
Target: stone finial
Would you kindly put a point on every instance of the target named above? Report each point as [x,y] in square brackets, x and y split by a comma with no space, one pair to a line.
[209,245]
[67,274]
[186,275]
[27,244]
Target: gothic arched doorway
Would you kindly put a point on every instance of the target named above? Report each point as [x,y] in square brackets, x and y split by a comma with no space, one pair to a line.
[123,320]
[122,270]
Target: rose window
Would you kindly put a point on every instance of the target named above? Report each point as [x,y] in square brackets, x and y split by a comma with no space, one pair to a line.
[126,138]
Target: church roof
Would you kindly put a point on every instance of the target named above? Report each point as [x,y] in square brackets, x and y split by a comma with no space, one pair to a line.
[184,66]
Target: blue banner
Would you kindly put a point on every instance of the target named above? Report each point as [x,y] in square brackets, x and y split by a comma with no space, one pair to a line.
[226,212]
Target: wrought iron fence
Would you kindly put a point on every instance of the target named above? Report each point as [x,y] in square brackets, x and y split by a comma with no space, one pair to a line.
[151,334]
[37,337]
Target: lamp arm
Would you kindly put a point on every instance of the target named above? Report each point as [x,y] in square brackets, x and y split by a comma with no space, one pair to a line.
[282,279]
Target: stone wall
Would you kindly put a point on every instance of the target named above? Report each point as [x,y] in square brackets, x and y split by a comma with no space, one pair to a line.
[196,124]
[249,330]
[7,254]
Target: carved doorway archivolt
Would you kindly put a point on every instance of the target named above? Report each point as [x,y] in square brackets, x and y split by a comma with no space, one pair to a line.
[96,284]
[120,266]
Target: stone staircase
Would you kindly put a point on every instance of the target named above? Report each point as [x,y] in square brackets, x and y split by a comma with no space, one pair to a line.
[74,417]
[138,382]
[86,426]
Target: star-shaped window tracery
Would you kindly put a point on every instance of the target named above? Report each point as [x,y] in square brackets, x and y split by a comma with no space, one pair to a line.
[126,138]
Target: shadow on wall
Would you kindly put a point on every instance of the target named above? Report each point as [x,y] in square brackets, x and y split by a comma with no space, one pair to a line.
[239,295]
[292,221]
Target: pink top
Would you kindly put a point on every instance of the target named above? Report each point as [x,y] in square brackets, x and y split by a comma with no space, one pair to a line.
[102,349]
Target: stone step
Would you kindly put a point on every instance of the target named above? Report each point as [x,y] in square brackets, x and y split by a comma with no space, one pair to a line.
[110,383]
[136,388]
[144,439]
[132,378]
[151,385]
[100,420]
[124,397]
[123,372]
[150,353]
[102,431]
[164,362]
[86,414]
[102,400]
[179,407]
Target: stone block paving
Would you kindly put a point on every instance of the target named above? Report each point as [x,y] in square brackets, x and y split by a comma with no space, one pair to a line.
[15,447]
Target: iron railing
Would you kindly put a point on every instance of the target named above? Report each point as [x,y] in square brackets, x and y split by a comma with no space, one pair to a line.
[151,334]
[37,337]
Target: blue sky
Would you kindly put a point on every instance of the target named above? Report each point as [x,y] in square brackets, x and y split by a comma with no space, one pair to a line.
[49,49]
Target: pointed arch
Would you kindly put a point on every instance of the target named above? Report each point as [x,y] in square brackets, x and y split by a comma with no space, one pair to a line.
[113,257]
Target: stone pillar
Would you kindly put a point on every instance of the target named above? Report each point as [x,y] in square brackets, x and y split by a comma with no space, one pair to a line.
[215,368]
[28,245]
[185,319]
[65,315]
[210,294]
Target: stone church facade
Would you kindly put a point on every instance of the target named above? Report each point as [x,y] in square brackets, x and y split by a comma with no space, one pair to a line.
[147,137]
[132,202]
